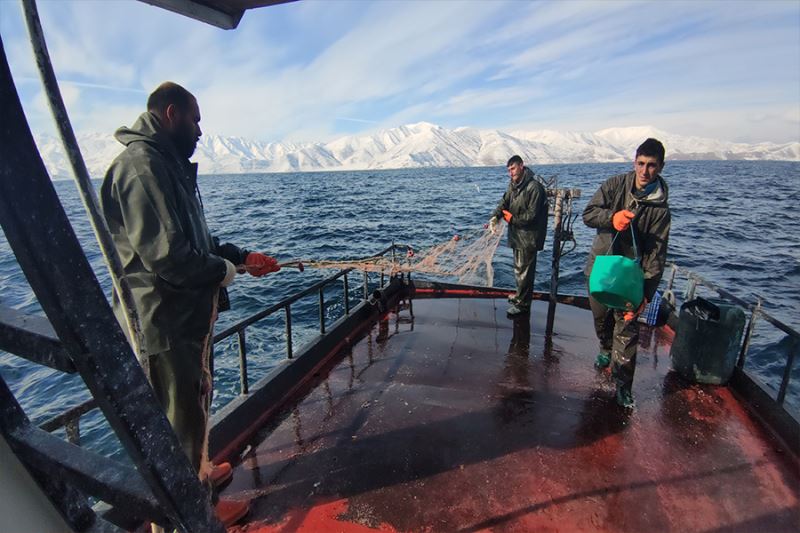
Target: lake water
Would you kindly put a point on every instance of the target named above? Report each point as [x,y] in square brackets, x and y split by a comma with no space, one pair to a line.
[733,223]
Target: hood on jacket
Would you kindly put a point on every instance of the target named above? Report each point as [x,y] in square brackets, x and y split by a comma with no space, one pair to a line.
[147,128]
[527,175]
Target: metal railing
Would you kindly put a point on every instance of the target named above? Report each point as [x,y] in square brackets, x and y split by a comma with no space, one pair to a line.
[70,419]
[756,312]
[285,305]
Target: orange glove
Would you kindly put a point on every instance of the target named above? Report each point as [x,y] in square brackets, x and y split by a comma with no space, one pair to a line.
[259,264]
[630,315]
[507,216]
[622,219]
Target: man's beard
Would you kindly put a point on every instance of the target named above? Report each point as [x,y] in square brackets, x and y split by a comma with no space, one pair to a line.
[185,142]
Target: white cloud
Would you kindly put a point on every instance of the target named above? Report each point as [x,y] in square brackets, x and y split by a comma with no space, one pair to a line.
[294,71]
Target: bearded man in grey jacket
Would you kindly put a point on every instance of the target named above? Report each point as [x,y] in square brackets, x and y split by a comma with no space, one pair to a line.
[177,270]
[637,200]
[524,208]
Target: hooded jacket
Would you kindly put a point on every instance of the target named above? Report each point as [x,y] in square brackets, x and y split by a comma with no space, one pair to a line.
[174,266]
[651,226]
[527,202]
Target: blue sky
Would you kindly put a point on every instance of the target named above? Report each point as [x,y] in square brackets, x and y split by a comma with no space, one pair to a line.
[317,70]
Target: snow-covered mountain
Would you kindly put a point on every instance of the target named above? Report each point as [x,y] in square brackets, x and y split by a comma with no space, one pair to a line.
[425,145]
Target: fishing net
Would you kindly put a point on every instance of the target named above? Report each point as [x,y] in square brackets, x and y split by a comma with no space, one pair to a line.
[466,257]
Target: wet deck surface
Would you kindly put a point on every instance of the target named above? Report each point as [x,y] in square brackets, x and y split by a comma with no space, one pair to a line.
[464,420]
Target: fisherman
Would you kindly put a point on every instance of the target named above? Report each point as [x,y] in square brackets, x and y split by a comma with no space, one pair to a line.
[524,208]
[177,271]
[639,199]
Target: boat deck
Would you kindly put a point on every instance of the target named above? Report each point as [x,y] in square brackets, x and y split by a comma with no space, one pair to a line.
[461,419]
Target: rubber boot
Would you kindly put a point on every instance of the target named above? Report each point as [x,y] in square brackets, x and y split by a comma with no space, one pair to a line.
[625,396]
[231,511]
[602,361]
[220,474]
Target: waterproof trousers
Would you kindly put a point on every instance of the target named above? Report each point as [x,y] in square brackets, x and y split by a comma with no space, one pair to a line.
[182,384]
[524,273]
[619,337]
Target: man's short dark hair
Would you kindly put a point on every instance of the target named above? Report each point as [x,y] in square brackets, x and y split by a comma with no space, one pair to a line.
[169,93]
[514,159]
[652,148]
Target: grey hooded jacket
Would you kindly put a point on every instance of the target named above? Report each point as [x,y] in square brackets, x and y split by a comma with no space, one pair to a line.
[527,202]
[174,266]
[651,226]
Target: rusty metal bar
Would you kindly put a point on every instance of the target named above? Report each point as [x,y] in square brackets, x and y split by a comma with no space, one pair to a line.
[73,429]
[321,310]
[243,386]
[748,335]
[289,354]
[671,281]
[64,418]
[551,307]
[394,261]
[346,296]
[690,290]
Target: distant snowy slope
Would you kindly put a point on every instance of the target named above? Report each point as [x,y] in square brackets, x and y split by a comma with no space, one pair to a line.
[424,145]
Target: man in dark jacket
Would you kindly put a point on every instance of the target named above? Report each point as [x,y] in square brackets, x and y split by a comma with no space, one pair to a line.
[635,199]
[524,208]
[177,271]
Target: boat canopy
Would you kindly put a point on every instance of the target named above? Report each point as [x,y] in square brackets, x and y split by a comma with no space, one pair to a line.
[224,14]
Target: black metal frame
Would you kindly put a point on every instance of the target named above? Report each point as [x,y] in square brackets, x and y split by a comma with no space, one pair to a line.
[34,220]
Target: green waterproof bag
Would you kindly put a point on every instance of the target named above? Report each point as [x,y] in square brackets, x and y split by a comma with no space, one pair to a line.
[617,281]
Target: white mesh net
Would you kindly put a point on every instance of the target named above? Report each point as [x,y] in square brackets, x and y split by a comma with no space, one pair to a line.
[467,257]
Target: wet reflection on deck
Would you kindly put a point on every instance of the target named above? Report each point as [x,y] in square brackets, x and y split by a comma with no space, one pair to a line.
[459,419]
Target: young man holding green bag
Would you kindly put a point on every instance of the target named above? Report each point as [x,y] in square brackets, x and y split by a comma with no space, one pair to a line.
[635,200]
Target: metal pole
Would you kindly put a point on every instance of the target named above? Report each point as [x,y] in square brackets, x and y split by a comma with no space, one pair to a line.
[346,295]
[690,290]
[243,363]
[322,310]
[551,307]
[394,264]
[787,374]
[288,332]
[748,336]
[366,285]
[73,430]
[672,277]
[82,179]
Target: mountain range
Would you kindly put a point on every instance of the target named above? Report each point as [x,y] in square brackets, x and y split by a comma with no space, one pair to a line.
[424,145]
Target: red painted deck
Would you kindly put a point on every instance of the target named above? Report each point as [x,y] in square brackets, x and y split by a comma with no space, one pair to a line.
[464,420]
